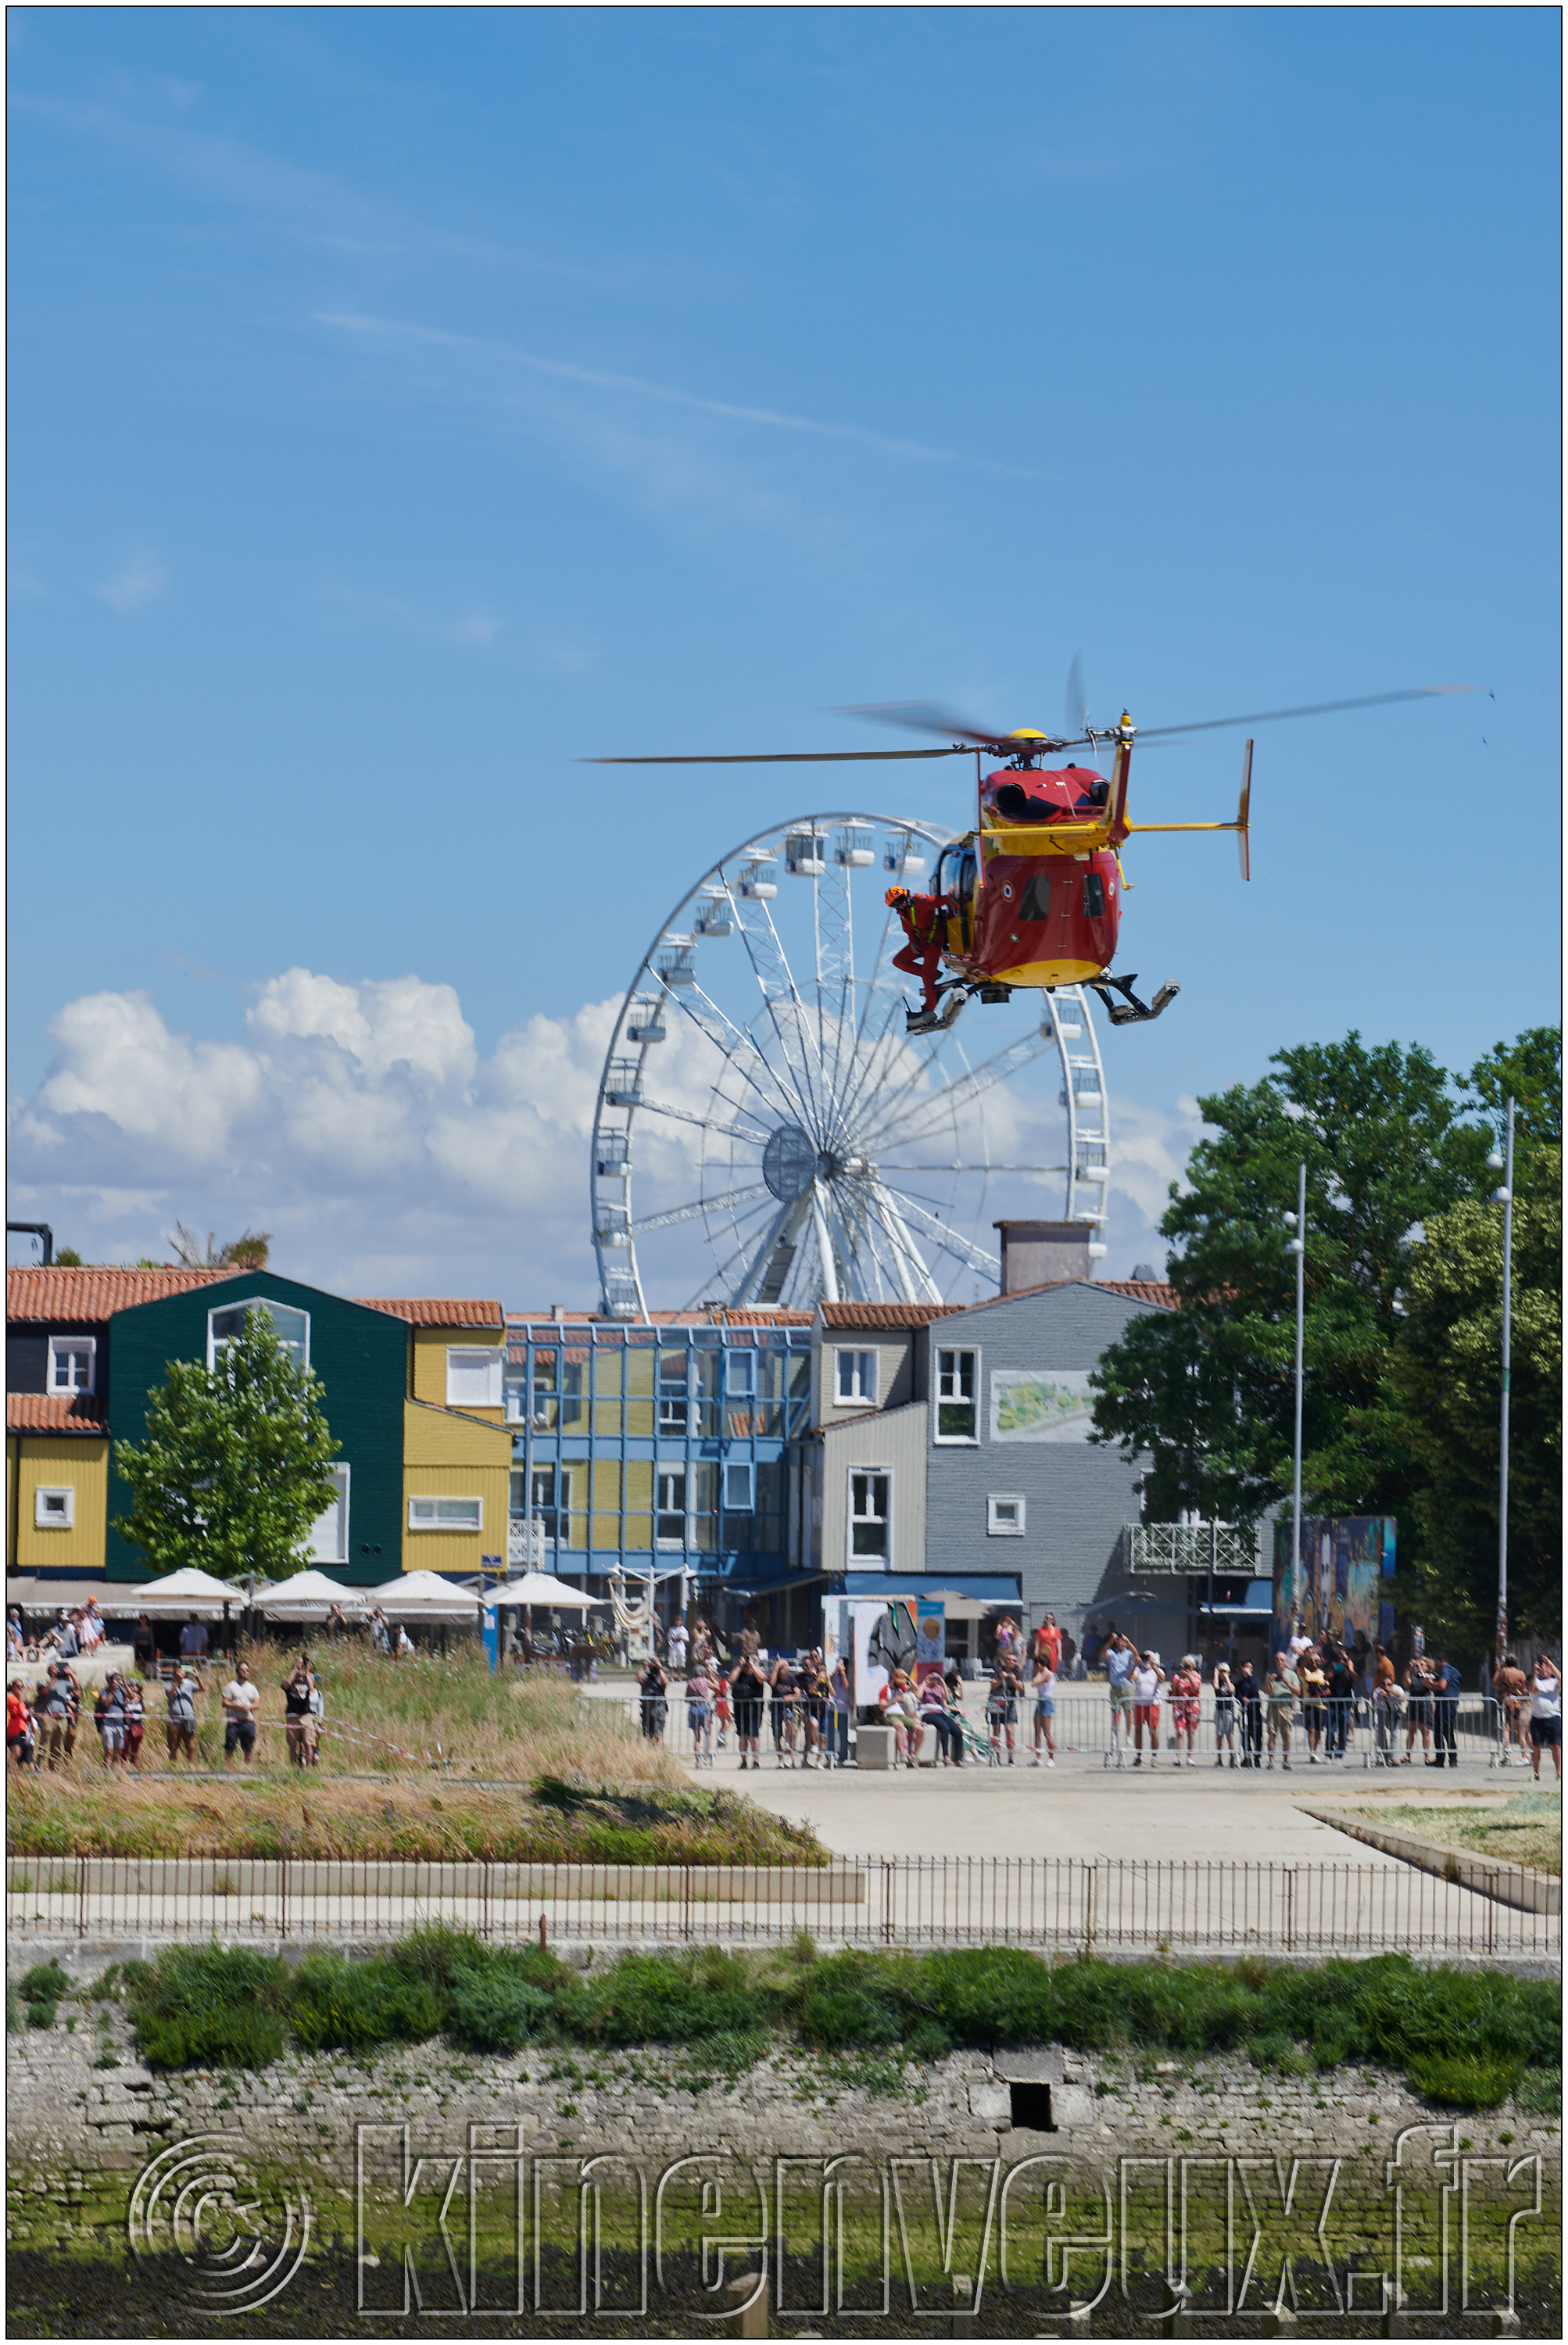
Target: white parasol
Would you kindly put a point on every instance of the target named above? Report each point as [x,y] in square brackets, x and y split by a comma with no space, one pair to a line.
[539,1588]
[424,1596]
[310,1595]
[186,1590]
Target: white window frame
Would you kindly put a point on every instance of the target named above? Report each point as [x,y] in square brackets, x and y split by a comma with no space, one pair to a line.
[747,1503]
[667,1514]
[862,1399]
[268,1303]
[62,1347]
[431,1521]
[467,1356]
[339,1473]
[954,1440]
[741,1375]
[994,1527]
[42,1519]
[869,1561]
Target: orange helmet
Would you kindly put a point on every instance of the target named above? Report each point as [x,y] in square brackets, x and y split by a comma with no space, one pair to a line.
[897,895]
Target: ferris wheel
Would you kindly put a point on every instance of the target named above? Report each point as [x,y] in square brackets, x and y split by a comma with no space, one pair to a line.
[759,1061]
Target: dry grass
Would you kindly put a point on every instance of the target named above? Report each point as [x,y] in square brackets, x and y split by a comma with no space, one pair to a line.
[1526,1830]
[589,1785]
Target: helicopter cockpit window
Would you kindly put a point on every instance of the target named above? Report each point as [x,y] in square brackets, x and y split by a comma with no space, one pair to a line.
[1036,899]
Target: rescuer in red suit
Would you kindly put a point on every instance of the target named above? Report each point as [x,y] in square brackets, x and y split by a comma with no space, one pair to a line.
[925,934]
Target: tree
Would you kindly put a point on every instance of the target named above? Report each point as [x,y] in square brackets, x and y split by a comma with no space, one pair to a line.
[1206,1391]
[248,1250]
[1529,1071]
[235,1465]
[1445,1375]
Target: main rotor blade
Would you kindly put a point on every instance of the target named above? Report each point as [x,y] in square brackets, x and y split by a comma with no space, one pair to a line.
[928,717]
[1077,697]
[1316,708]
[785,757]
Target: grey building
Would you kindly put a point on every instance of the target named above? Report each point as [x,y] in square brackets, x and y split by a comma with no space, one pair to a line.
[952,1453]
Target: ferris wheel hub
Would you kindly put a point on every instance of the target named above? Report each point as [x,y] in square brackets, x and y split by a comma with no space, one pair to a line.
[791,1163]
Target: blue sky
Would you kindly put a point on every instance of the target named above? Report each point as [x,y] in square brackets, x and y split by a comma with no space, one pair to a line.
[405,403]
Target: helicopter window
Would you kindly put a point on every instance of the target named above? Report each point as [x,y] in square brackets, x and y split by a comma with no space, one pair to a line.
[1036,903]
[1094,896]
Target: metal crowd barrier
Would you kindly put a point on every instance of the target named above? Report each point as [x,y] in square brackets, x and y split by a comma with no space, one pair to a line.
[1051,1904]
[1357,1734]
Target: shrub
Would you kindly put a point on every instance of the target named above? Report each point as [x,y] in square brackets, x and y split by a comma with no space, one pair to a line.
[346,2006]
[495,2011]
[210,2006]
[1465,2080]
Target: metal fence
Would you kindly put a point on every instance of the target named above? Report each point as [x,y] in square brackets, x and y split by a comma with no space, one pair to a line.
[1066,1903]
[1355,1733]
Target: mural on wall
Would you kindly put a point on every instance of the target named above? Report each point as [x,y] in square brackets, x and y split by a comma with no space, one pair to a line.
[886,1638]
[1040,1404]
[1343,1586]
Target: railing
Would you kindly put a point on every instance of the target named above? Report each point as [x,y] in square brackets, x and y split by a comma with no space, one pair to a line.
[1354,1733]
[1051,1903]
[1195,1549]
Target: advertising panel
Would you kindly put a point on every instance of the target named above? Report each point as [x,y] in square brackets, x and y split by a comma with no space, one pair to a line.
[1040,1404]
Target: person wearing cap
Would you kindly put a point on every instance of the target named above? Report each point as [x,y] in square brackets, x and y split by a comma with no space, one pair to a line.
[925,936]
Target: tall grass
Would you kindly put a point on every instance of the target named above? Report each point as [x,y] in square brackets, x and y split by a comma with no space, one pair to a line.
[591,1786]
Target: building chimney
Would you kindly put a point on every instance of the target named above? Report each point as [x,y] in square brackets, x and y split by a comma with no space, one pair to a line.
[1035,1252]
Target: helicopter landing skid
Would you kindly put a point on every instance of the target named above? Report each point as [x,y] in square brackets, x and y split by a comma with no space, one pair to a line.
[1131,1011]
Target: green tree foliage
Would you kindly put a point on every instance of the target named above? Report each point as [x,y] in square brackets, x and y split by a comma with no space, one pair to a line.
[1528,1072]
[235,1465]
[1445,1385]
[1206,1391]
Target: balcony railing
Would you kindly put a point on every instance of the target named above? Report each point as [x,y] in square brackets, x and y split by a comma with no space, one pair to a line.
[1192,1549]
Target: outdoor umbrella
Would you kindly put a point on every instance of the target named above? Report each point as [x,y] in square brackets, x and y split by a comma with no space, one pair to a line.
[539,1588]
[186,1590]
[310,1595]
[422,1596]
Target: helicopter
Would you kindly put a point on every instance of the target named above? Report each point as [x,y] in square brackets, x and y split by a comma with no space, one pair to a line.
[1031,897]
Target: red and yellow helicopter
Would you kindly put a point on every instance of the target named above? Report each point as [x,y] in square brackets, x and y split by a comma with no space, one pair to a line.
[1031,895]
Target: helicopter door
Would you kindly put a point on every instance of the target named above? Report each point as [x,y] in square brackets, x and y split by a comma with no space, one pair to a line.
[955,874]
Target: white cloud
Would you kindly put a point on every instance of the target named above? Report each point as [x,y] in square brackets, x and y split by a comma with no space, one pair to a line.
[361,1125]
[137,583]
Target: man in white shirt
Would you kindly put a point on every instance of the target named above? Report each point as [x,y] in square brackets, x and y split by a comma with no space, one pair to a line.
[1300,1642]
[676,1644]
[241,1701]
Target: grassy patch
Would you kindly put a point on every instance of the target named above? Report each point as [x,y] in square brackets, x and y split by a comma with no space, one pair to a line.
[592,1787]
[868,2014]
[1526,1830]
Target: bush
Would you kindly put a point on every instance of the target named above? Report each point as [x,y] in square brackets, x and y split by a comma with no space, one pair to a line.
[1465,2080]
[210,2007]
[41,1989]
[338,2005]
[495,2011]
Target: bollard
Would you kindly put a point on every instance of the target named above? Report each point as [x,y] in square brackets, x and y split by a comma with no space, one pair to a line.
[1174,2316]
[748,2302]
[1079,2322]
[1279,2322]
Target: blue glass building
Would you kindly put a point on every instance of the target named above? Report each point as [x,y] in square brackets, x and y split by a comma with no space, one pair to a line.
[678,1447]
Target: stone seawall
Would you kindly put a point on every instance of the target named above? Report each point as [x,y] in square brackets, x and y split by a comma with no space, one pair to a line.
[969,2169]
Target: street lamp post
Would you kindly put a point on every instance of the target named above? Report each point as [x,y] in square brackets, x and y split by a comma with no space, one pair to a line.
[1298,1246]
[1504,1197]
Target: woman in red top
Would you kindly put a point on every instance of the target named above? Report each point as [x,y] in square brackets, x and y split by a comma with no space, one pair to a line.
[18,1723]
[1186,1705]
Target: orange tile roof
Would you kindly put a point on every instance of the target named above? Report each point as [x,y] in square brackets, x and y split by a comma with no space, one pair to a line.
[437,1311]
[1142,1290]
[82,1298]
[54,1413]
[886,1315]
